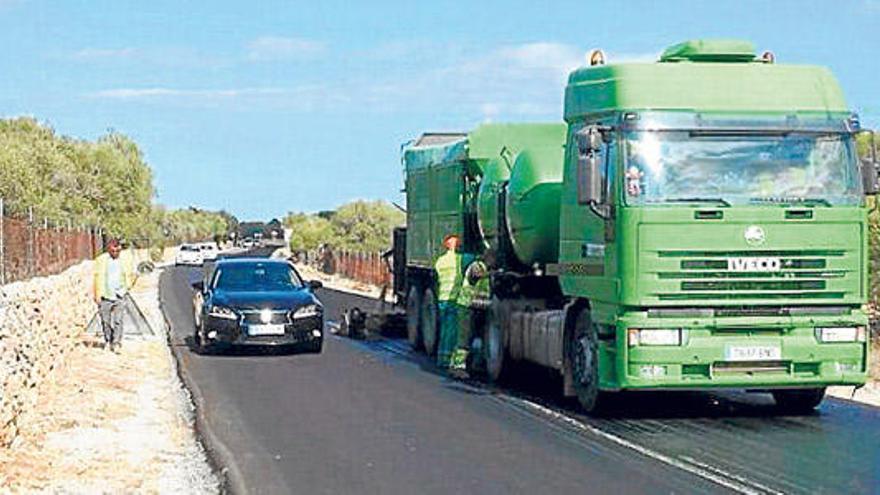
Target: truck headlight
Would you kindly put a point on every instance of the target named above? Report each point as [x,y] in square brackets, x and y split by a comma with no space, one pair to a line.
[841,334]
[653,336]
[223,312]
[307,311]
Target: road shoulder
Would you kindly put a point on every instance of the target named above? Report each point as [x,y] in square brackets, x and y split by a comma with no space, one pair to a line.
[112,423]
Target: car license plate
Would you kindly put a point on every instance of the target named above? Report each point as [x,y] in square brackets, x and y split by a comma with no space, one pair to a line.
[753,353]
[754,264]
[265,330]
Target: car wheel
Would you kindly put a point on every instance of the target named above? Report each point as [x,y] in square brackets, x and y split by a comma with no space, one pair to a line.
[414,317]
[430,320]
[799,401]
[584,358]
[315,347]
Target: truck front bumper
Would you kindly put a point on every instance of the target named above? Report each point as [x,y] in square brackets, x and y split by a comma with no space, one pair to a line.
[714,353]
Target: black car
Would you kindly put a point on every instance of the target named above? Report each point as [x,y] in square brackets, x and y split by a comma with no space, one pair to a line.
[257,301]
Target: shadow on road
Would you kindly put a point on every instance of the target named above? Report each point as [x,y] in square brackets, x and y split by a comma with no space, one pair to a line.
[543,386]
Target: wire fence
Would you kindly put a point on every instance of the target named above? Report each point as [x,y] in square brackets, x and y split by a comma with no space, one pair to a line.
[368,268]
[31,247]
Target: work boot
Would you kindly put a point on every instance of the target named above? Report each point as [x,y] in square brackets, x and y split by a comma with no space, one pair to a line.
[458,364]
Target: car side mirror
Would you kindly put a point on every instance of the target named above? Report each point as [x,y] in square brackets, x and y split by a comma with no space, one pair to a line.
[198,286]
[315,284]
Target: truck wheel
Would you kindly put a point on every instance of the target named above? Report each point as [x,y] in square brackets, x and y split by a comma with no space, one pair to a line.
[495,353]
[430,322]
[799,401]
[414,318]
[584,358]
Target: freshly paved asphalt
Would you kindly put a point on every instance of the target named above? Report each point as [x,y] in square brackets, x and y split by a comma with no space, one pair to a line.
[373,417]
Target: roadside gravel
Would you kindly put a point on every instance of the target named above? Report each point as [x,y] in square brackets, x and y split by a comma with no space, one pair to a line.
[112,423]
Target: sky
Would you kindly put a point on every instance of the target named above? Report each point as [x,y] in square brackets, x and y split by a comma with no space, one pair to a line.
[271,106]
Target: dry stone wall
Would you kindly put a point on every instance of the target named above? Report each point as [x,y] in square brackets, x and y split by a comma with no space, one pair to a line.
[40,321]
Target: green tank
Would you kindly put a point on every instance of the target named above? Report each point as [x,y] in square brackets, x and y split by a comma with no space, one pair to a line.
[495,176]
[533,198]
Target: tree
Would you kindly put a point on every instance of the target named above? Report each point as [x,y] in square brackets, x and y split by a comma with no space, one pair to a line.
[355,226]
[308,231]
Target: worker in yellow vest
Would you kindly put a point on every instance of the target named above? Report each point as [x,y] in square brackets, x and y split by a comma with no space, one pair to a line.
[114,277]
[449,281]
[472,303]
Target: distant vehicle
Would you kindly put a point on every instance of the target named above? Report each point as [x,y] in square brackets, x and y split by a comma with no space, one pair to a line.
[247,242]
[209,250]
[257,301]
[189,254]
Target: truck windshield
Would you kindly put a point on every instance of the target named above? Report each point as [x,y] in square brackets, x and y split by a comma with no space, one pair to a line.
[693,166]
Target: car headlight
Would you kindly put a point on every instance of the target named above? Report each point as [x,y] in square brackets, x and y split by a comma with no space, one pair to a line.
[223,312]
[307,311]
[841,334]
[654,336]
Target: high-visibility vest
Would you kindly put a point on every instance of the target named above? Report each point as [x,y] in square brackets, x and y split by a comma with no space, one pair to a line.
[476,294]
[100,278]
[449,276]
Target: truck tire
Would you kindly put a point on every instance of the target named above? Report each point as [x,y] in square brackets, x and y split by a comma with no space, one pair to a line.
[584,358]
[430,322]
[494,351]
[414,317]
[799,401]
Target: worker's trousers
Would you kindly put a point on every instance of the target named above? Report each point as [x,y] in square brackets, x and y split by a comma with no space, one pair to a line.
[449,327]
[111,319]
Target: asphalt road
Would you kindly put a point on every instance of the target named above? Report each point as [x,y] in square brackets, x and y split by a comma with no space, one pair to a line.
[373,417]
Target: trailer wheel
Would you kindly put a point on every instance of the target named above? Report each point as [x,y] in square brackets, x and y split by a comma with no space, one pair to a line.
[495,353]
[584,359]
[414,317]
[429,318]
[799,401]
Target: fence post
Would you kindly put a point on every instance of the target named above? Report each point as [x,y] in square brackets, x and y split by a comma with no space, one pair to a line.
[2,243]
[30,242]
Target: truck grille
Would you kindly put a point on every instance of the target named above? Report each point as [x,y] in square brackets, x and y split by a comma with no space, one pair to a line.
[801,274]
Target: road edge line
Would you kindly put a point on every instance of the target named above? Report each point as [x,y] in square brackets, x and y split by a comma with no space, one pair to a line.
[218,453]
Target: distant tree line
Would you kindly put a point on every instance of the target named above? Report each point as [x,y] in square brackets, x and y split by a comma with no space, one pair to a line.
[103,183]
[356,226]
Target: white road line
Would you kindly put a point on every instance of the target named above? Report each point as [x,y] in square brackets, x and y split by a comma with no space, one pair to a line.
[712,474]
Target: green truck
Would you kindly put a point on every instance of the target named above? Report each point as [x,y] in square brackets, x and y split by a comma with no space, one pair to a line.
[696,223]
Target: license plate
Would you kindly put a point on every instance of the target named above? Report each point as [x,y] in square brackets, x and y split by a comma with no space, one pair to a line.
[754,264]
[266,330]
[753,353]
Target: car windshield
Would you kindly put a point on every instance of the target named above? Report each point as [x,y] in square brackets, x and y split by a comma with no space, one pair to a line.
[744,168]
[188,248]
[256,277]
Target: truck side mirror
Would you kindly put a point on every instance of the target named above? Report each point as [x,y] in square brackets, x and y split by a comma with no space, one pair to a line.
[870,167]
[589,181]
